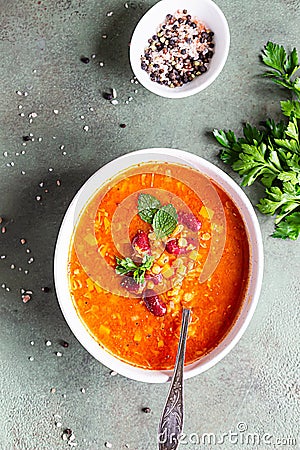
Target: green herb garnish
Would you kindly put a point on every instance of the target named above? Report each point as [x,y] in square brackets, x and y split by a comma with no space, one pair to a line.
[165,221]
[127,265]
[272,154]
[162,218]
[147,207]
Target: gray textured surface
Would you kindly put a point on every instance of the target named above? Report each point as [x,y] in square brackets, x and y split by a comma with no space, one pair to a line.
[41,44]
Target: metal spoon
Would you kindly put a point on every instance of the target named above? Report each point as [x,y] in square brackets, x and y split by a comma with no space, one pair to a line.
[171,422]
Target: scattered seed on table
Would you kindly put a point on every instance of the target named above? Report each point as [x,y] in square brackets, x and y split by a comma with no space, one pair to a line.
[104,36]
[23,241]
[126,5]
[55,111]
[48,343]
[2,256]
[7,289]
[130,99]
[91,108]
[81,117]
[101,64]
[19,92]
[82,390]
[28,250]
[85,59]
[123,125]
[31,358]
[113,373]
[86,128]
[146,410]
[3,230]
[40,139]
[108,445]
[58,424]
[31,260]
[26,272]
[114,93]
[26,138]
[3,285]
[45,289]
[64,344]
[31,342]
[93,56]
[107,96]
[58,354]
[26,298]
[50,169]
[1,220]
[12,266]
[109,14]
[38,198]
[58,182]
[114,101]
[32,115]
[62,147]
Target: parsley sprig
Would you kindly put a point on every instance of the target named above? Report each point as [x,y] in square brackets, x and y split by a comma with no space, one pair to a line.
[271,154]
[127,265]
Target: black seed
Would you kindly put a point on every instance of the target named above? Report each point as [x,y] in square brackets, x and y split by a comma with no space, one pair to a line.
[26,138]
[184,11]
[169,16]
[64,344]
[154,37]
[123,125]
[193,25]
[146,410]
[85,59]
[189,17]
[107,96]
[45,289]
[183,51]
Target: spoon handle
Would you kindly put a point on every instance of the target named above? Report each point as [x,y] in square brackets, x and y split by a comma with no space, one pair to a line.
[171,422]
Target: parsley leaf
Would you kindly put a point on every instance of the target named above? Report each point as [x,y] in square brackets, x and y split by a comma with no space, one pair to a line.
[165,221]
[147,207]
[127,265]
[289,227]
[272,155]
[284,66]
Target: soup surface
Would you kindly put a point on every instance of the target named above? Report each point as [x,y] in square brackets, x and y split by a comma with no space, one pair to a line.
[155,239]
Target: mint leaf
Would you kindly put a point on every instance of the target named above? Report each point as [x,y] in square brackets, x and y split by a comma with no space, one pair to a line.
[165,221]
[147,207]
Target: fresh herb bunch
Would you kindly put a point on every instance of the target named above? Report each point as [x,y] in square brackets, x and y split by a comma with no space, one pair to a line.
[127,265]
[272,154]
[163,219]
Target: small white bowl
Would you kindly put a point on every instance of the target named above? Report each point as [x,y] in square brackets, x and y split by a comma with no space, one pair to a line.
[61,259]
[208,13]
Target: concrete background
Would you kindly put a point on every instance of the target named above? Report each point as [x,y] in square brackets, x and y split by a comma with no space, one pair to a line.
[257,384]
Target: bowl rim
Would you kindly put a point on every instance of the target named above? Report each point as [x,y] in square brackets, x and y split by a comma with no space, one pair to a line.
[180,92]
[61,255]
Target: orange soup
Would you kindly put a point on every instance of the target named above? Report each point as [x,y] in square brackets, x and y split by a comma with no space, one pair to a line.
[155,239]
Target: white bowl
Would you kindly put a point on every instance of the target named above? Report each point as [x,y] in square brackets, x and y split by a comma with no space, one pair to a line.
[62,254]
[206,11]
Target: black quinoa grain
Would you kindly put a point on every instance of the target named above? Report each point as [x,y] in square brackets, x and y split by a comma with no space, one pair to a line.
[146,410]
[122,125]
[85,59]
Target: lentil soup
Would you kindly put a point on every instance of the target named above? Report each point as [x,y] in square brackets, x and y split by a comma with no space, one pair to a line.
[156,238]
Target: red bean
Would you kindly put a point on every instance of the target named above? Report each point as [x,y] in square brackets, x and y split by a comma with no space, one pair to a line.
[189,220]
[154,303]
[141,243]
